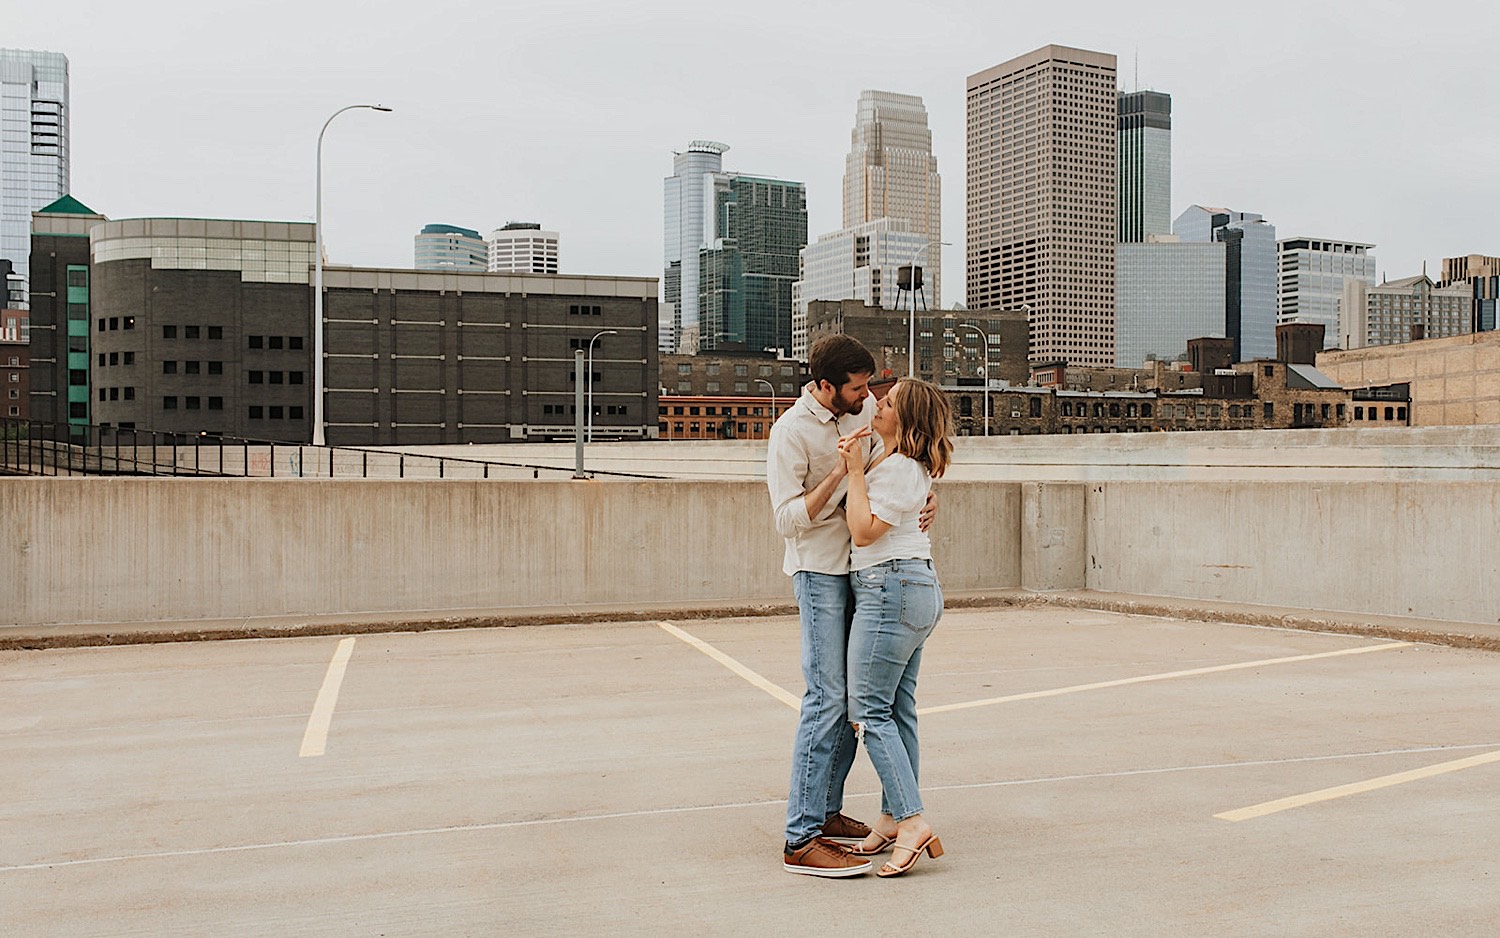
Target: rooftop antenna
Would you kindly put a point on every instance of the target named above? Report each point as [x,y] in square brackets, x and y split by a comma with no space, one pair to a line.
[1137,68]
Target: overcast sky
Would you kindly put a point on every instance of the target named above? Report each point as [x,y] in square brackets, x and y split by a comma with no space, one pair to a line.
[1371,121]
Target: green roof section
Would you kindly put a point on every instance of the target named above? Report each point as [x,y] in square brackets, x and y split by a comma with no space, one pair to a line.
[67,205]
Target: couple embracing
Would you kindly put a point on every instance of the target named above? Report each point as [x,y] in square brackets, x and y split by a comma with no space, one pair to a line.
[850,482]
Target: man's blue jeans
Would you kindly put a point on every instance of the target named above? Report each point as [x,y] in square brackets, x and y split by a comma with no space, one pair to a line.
[897,605]
[824,748]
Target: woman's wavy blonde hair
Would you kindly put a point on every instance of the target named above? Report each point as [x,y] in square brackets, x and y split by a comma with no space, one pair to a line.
[925,421]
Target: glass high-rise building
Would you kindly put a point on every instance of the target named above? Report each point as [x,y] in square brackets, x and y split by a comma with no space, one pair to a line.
[890,172]
[731,254]
[34,152]
[1042,172]
[1250,260]
[1311,282]
[1145,165]
[1166,292]
[449,247]
[757,228]
[688,208]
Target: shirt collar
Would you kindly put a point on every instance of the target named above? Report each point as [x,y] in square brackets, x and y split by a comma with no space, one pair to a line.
[814,407]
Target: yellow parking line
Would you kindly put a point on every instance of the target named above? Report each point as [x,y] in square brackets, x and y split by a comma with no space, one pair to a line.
[1101,685]
[1357,788]
[780,693]
[316,737]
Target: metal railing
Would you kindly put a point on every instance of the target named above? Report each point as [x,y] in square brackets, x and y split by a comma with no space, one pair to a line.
[31,447]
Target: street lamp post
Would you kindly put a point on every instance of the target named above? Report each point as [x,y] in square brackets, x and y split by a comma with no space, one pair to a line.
[772,389]
[590,379]
[985,342]
[911,342]
[317,427]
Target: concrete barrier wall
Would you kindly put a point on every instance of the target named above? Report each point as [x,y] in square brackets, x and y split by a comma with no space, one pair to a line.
[80,550]
[141,550]
[1422,549]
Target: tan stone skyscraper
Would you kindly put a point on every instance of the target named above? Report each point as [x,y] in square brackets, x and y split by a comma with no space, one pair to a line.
[1041,220]
[890,172]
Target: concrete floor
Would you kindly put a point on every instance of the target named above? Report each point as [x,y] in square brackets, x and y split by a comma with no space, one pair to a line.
[617,779]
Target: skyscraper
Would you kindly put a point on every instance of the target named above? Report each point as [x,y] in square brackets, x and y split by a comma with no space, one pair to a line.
[449,247]
[1145,165]
[859,262]
[33,145]
[731,254]
[1249,274]
[687,199]
[522,246]
[1042,135]
[890,172]
[1311,282]
[1166,292]
[757,228]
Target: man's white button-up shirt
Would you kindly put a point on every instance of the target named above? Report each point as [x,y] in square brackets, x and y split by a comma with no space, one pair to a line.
[802,452]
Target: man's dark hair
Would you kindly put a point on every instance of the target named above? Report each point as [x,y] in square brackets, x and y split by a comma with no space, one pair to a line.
[835,357]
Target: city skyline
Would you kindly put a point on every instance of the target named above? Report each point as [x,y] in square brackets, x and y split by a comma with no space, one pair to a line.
[232,128]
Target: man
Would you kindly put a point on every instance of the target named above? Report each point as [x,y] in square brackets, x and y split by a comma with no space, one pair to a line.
[807,480]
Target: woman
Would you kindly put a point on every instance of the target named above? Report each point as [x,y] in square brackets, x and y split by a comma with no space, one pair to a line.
[897,602]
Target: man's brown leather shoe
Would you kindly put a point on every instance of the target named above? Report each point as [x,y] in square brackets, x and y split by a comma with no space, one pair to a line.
[820,857]
[845,829]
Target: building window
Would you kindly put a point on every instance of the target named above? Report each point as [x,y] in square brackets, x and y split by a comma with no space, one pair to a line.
[216,332]
[80,312]
[190,332]
[1400,413]
[1067,409]
[130,394]
[191,402]
[294,377]
[78,276]
[294,412]
[274,377]
[277,413]
[129,323]
[294,341]
[169,368]
[169,403]
[1324,411]
[129,358]
[684,387]
[190,368]
[77,377]
[1339,411]
[114,394]
[1269,371]
[1359,413]
[1390,413]
[765,371]
[216,368]
[101,396]
[1036,407]
[742,370]
[711,368]
[1269,410]
[257,412]
[114,324]
[741,387]
[712,387]
[257,377]
[583,310]
[273,341]
[169,332]
[256,341]
[1145,410]
[216,403]
[683,368]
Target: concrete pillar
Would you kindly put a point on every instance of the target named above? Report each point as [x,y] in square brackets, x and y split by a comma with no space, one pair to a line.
[1054,536]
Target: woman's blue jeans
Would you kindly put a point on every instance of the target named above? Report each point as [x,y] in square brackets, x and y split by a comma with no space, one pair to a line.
[896,606]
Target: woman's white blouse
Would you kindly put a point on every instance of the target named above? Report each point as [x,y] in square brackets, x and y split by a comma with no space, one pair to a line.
[898,489]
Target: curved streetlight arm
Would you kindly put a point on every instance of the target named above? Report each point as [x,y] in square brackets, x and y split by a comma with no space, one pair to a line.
[317,421]
[590,379]
[985,343]
[772,388]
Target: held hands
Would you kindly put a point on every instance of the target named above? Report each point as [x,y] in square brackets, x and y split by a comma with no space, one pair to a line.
[852,451]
